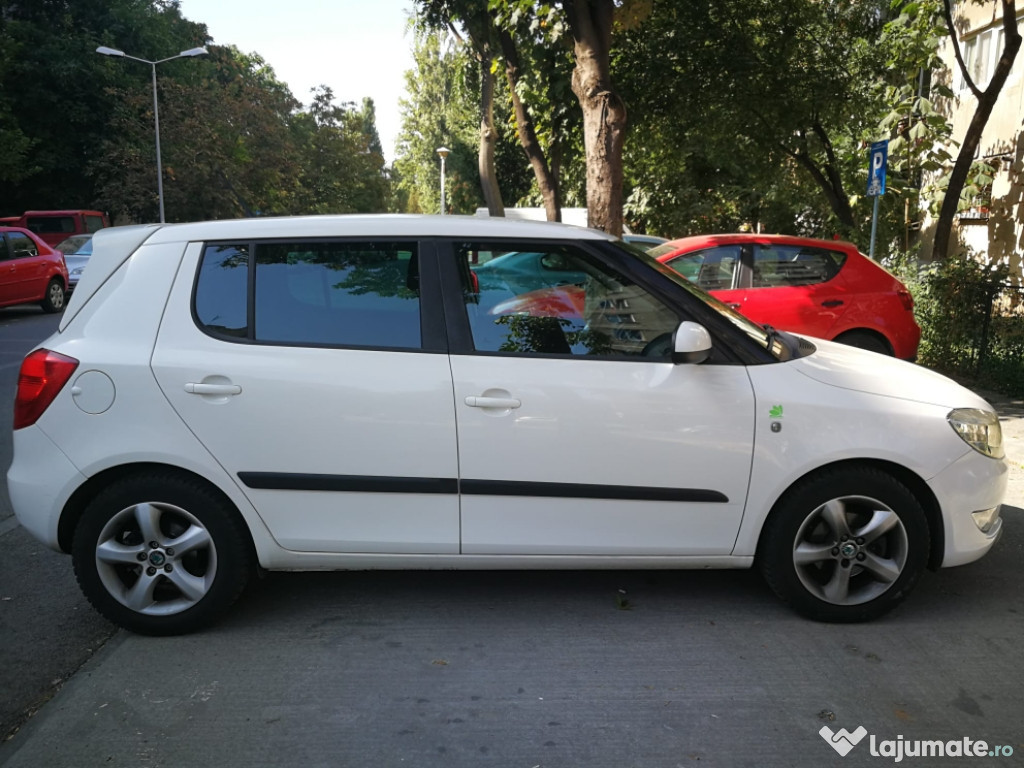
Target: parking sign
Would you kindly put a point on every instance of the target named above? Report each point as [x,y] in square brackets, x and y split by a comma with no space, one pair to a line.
[878,156]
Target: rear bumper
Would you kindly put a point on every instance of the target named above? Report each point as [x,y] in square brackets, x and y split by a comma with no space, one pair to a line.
[40,481]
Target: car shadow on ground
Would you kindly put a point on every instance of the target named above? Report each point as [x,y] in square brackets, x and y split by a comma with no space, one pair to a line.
[988,587]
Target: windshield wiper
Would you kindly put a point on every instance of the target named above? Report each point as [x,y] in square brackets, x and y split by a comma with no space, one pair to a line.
[773,335]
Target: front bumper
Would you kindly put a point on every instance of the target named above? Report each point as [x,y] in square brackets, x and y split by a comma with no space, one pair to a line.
[971,484]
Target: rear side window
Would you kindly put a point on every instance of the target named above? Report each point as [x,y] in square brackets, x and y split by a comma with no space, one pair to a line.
[22,246]
[317,293]
[711,268]
[793,265]
[48,225]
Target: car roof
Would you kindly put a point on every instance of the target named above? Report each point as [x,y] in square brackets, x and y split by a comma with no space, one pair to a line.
[62,212]
[703,241]
[371,225]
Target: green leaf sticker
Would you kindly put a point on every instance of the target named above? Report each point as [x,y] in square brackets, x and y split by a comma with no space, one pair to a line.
[776,412]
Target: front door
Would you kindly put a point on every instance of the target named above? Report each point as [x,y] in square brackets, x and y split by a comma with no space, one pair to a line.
[576,434]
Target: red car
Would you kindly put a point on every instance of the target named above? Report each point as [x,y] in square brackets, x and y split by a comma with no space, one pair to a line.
[822,288]
[31,271]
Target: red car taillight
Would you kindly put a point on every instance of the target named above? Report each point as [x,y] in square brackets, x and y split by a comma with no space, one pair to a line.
[43,374]
[906,299]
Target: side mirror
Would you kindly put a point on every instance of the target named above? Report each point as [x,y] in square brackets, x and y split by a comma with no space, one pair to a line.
[692,344]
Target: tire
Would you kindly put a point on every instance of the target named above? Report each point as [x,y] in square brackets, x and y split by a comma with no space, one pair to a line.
[160,554]
[866,340]
[845,545]
[53,301]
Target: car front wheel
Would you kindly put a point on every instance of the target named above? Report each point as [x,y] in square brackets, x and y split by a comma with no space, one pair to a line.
[160,554]
[845,545]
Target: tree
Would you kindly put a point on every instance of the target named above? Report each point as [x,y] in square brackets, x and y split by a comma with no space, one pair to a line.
[476,24]
[604,113]
[54,101]
[439,109]
[986,102]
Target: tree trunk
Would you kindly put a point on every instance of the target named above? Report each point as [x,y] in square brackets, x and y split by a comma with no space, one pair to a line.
[604,114]
[986,102]
[488,140]
[547,177]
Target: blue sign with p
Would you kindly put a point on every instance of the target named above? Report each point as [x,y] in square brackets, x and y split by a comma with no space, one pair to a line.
[878,157]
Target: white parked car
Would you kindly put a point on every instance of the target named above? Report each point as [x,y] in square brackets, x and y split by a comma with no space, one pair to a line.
[345,393]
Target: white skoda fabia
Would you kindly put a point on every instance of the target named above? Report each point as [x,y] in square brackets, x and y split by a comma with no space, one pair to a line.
[360,392]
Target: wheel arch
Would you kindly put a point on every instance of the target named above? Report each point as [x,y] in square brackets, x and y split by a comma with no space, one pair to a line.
[843,338]
[917,486]
[79,500]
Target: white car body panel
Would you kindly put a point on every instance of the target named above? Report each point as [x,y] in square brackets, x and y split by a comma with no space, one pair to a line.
[594,422]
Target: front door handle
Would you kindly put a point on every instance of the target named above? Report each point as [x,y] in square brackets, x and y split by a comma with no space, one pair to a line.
[212,389]
[479,401]
[832,303]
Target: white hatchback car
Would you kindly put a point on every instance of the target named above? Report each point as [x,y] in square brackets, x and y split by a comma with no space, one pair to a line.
[346,393]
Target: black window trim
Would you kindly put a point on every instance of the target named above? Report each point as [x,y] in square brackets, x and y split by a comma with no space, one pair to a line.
[432,335]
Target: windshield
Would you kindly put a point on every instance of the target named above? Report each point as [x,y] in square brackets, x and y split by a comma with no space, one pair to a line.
[765,337]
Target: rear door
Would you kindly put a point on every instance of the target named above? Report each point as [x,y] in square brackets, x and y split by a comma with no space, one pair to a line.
[795,288]
[25,273]
[315,372]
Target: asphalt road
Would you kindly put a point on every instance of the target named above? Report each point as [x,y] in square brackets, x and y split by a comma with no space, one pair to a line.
[503,668]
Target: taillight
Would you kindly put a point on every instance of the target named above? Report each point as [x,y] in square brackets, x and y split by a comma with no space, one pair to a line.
[906,299]
[43,374]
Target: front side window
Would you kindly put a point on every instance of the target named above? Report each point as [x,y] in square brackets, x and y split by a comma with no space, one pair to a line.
[559,301]
[778,266]
[93,223]
[318,293]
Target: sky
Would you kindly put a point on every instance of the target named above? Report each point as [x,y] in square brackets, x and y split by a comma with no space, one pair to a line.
[356,47]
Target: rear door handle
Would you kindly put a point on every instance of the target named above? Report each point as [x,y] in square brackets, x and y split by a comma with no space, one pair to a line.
[479,401]
[832,303]
[212,389]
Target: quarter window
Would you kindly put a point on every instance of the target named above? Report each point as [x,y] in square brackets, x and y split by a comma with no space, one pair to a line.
[318,293]
[559,301]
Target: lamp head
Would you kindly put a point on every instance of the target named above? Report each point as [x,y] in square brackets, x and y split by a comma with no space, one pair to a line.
[109,51]
[443,152]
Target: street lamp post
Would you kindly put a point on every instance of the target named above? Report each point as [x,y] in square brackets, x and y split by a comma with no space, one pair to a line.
[443,152]
[156,109]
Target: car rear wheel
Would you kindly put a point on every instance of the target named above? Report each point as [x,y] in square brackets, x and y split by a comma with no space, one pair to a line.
[160,554]
[845,545]
[53,301]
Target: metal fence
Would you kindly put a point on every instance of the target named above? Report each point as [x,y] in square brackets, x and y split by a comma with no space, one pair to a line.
[975,329]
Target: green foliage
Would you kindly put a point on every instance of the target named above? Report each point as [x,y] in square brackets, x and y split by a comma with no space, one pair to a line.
[972,322]
[441,109]
[78,128]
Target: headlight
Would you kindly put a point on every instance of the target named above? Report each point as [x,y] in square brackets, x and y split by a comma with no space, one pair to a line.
[979,429]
